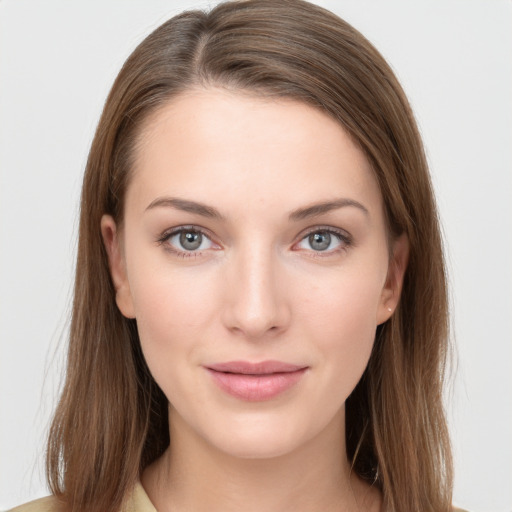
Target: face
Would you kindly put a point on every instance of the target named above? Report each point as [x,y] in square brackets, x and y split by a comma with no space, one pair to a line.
[255,259]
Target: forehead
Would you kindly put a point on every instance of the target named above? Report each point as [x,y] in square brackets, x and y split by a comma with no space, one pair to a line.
[215,144]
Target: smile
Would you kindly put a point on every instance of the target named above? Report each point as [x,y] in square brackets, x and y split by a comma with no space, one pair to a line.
[255,382]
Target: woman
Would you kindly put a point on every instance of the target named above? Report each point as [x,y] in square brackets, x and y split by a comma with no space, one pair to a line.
[260,314]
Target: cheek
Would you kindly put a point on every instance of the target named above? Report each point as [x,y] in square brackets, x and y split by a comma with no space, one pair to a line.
[340,315]
[170,304]
[173,309]
[343,302]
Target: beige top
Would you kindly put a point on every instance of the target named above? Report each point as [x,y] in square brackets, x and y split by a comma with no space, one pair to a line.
[138,502]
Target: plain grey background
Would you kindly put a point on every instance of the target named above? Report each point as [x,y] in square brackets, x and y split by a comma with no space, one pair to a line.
[57,62]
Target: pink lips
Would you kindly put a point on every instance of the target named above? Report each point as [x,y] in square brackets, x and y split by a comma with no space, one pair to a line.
[255,382]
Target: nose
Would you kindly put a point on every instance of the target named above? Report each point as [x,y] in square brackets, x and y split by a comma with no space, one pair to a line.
[257,304]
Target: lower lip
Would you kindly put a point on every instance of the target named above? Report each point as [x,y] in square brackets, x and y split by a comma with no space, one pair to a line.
[256,388]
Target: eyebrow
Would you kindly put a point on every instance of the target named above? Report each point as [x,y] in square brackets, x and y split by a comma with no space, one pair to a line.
[204,210]
[325,207]
[185,206]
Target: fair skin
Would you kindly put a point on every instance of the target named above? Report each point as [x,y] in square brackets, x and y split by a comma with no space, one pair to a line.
[222,258]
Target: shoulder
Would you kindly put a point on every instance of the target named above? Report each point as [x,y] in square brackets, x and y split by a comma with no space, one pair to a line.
[48,504]
[137,501]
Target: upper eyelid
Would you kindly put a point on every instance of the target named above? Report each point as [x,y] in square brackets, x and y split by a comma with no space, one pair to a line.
[329,229]
[192,227]
[166,234]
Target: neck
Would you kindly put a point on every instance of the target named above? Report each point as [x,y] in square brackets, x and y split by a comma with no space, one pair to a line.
[194,475]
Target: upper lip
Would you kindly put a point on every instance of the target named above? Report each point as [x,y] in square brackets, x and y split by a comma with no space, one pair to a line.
[261,368]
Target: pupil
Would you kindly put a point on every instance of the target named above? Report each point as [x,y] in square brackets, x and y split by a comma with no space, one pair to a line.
[320,241]
[190,240]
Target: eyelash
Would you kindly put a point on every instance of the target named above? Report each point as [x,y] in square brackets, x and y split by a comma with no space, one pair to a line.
[343,237]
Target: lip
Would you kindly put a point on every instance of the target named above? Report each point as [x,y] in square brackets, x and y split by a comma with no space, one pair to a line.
[255,382]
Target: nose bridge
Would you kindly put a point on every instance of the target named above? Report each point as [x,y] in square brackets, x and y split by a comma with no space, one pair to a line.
[257,304]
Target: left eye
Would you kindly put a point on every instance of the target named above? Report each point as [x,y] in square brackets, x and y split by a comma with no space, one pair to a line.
[321,241]
[189,240]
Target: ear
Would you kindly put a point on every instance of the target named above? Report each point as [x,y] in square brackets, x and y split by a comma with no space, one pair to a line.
[117,266]
[394,280]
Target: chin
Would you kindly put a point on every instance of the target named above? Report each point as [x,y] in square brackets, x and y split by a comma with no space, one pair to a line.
[263,436]
[261,447]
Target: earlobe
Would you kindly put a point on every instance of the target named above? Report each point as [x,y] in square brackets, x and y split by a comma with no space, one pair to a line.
[394,281]
[117,266]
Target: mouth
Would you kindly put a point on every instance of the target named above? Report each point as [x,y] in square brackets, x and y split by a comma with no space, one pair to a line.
[255,382]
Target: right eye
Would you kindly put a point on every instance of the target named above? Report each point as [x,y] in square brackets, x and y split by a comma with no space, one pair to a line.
[187,241]
[190,241]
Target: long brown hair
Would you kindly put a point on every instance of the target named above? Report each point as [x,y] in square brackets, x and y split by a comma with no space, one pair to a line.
[111,421]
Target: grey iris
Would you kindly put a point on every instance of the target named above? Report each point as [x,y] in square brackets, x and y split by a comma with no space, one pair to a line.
[320,241]
[190,240]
